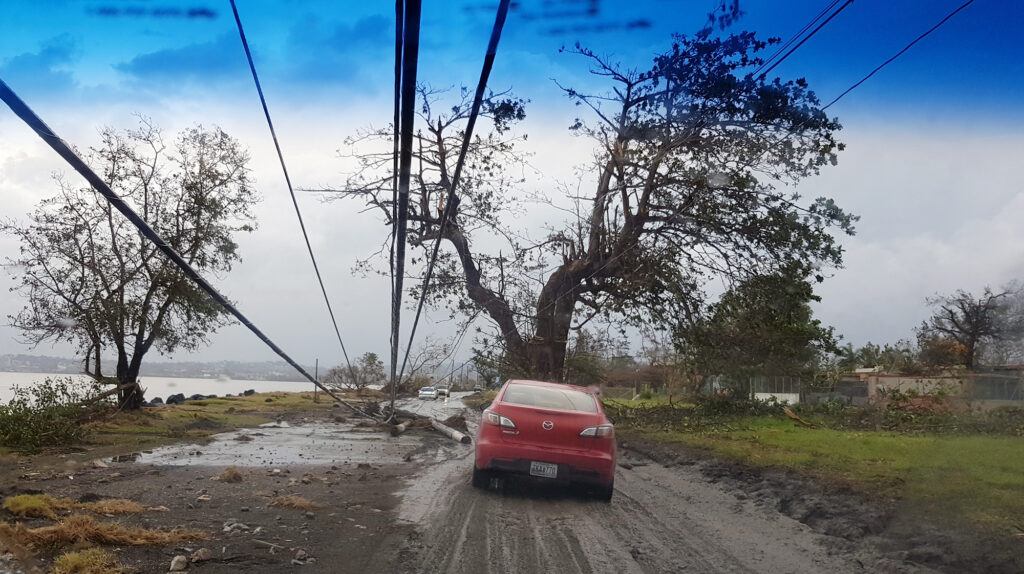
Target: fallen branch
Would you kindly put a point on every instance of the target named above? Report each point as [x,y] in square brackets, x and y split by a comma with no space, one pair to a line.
[105,394]
[796,418]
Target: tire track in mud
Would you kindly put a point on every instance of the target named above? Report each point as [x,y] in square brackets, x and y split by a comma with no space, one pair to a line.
[660,520]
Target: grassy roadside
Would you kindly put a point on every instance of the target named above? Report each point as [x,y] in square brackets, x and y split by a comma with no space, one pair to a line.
[977,478]
[196,419]
[107,429]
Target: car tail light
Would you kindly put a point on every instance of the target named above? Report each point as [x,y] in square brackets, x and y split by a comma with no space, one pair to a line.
[599,431]
[493,418]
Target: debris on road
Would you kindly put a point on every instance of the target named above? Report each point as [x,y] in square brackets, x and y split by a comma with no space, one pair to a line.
[450,432]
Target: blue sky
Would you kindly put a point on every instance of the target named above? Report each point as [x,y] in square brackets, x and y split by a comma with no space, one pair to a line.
[934,138]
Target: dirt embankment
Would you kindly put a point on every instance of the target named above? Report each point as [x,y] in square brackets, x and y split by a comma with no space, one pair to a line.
[902,535]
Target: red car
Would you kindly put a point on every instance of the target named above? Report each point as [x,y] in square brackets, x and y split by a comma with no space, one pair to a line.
[549,431]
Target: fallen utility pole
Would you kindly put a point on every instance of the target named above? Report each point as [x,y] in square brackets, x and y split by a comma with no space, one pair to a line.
[450,432]
[399,429]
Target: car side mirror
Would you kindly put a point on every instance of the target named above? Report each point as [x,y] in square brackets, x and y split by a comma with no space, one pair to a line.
[486,405]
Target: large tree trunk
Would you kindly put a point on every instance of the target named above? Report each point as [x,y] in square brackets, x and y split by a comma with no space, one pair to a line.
[130,397]
[545,351]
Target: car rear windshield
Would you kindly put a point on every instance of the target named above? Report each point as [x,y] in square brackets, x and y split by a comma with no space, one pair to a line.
[550,398]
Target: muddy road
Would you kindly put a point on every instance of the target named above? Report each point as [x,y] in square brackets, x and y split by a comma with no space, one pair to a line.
[661,519]
[405,504]
[672,511]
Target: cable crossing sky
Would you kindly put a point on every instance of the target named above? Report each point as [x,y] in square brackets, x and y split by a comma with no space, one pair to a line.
[453,201]
[288,180]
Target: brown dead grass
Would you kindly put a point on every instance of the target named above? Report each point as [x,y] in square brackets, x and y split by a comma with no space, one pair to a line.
[112,506]
[90,561]
[46,506]
[25,557]
[231,474]
[296,502]
[79,528]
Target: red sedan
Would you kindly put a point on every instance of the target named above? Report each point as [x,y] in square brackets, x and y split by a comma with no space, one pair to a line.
[548,431]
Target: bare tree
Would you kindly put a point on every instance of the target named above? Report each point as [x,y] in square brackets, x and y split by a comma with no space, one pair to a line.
[688,157]
[365,371]
[92,280]
[976,321]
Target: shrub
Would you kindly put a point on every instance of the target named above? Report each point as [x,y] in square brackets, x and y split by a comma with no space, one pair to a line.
[89,561]
[46,414]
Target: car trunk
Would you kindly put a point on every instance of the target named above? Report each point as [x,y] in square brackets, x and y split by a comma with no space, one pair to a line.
[565,426]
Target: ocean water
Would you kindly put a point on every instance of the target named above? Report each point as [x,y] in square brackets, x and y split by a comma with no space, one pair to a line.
[163,386]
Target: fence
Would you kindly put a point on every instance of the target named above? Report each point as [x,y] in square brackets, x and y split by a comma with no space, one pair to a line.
[983,389]
[996,387]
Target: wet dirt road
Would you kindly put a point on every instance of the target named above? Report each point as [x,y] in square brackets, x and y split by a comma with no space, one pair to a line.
[662,518]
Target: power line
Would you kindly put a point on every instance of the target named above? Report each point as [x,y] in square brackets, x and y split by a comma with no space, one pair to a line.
[21,109]
[900,53]
[807,37]
[410,55]
[287,179]
[449,208]
[396,119]
[399,31]
[789,42]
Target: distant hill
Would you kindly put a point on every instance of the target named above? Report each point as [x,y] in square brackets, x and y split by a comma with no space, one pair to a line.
[255,371]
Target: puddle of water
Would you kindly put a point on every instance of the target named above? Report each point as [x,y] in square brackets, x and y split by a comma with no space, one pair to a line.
[307,444]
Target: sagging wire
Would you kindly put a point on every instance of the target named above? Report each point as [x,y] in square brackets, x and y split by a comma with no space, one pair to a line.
[449,209]
[291,191]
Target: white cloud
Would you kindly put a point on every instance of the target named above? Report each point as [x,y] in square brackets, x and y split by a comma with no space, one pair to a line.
[941,211]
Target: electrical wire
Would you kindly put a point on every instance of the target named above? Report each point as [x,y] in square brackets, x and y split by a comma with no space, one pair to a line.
[399,32]
[23,111]
[807,37]
[789,42]
[449,208]
[898,54]
[287,179]
[410,56]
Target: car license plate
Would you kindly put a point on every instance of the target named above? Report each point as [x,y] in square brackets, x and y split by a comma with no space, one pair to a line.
[543,469]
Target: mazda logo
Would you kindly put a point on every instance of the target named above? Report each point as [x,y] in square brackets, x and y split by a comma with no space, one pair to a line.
[547,425]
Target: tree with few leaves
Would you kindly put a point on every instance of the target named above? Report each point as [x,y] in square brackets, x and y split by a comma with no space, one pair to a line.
[92,280]
[691,155]
[366,370]
[975,321]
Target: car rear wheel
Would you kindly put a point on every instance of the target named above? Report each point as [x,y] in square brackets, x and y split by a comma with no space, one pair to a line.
[604,492]
[481,478]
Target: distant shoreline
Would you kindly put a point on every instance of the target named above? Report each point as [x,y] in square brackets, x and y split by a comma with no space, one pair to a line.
[248,370]
[155,386]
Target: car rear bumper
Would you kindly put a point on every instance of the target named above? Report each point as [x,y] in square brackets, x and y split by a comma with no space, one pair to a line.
[590,467]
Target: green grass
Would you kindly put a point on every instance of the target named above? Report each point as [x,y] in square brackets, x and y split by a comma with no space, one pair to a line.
[979,478]
[196,419]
